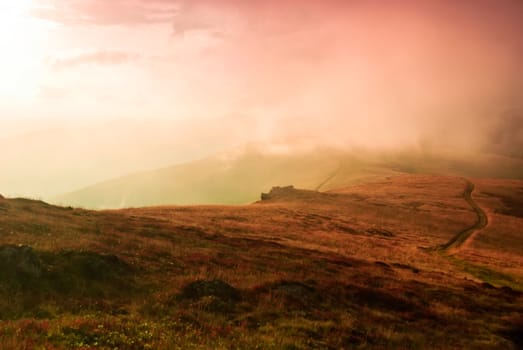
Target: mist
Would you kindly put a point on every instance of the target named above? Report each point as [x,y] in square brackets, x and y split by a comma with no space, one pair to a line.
[125,86]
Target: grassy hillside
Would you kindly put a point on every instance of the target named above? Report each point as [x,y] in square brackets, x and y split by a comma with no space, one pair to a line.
[350,268]
[238,178]
[228,179]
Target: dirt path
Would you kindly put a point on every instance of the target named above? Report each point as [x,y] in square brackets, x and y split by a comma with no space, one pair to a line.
[331,176]
[461,238]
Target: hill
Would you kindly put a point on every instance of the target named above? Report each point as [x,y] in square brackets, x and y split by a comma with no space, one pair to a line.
[70,155]
[357,267]
[238,177]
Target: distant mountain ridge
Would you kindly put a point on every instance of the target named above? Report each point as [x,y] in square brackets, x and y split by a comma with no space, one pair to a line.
[239,177]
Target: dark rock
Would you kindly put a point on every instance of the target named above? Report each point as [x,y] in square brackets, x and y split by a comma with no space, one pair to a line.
[277,191]
[379,299]
[487,285]
[90,266]
[293,294]
[380,232]
[215,288]
[19,260]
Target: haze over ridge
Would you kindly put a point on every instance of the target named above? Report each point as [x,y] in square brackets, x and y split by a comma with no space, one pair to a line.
[93,90]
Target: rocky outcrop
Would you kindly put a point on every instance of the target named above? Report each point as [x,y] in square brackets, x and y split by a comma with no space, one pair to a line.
[276,192]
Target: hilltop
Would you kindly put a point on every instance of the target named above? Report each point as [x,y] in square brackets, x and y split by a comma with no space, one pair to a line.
[239,176]
[355,267]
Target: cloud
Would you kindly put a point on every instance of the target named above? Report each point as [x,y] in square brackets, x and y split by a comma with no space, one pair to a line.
[506,134]
[106,13]
[97,57]
[52,92]
[355,71]
[236,17]
[187,15]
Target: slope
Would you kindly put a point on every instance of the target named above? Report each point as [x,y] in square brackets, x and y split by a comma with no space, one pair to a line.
[238,177]
[301,269]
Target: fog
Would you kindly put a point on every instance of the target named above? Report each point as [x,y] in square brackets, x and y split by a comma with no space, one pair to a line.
[94,89]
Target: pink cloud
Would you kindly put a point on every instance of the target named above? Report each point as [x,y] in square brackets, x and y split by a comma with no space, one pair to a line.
[52,92]
[372,62]
[103,12]
[98,57]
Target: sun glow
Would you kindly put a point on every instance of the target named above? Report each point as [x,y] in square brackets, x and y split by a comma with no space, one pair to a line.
[21,42]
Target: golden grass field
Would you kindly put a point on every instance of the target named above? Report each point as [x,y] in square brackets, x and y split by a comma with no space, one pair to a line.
[353,267]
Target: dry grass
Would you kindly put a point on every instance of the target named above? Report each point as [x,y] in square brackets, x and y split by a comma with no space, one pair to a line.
[500,244]
[342,269]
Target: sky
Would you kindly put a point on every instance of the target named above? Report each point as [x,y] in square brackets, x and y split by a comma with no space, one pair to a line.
[101,88]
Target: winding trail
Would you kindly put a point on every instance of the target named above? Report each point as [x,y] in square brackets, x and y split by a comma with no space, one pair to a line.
[331,176]
[461,238]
